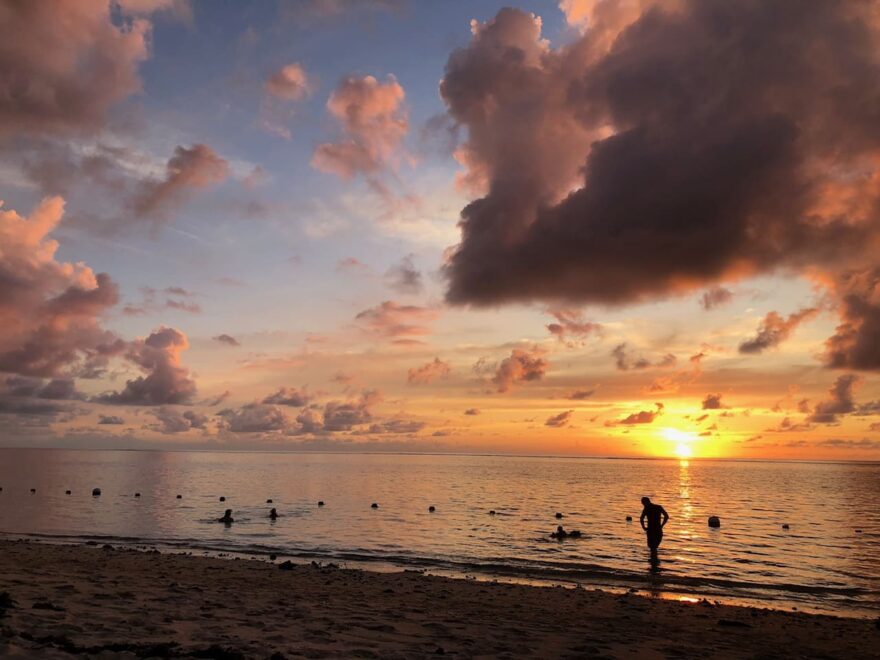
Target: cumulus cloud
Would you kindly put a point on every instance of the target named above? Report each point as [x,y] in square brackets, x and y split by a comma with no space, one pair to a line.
[50,311]
[840,401]
[405,278]
[571,327]
[856,341]
[173,421]
[712,402]
[520,366]
[393,320]
[188,170]
[634,175]
[290,83]
[374,122]
[228,340]
[167,380]
[625,359]
[559,421]
[640,417]
[580,395]
[253,418]
[428,372]
[68,87]
[289,396]
[774,329]
[715,296]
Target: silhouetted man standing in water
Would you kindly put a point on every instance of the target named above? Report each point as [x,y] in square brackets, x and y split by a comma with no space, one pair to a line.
[653,519]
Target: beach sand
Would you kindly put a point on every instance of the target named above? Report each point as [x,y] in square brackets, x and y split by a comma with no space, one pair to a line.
[99,602]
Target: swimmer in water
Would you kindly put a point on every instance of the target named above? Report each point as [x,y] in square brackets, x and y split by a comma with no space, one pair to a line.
[227,517]
[273,514]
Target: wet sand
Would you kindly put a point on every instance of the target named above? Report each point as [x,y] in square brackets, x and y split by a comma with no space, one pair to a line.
[81,601]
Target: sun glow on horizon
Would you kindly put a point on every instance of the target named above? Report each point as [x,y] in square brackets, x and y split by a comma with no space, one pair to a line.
[683,440]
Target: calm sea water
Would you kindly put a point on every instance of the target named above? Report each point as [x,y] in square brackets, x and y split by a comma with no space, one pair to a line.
[821,563]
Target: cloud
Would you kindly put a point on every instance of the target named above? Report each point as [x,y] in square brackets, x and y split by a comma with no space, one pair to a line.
[217,400]
[173,421]
[110,419]
[636,176]
[67,88]
[253,418]
[559,421]
[840,401]
[352,266]
[520,366]
[625,360]
[715,296]
[330,9]
[393,320]
[56,389]
[428,372]
[188,170]
[374,122]
[472,412]
[289,396]
[571,328]
[405,278]
[344,415]
[229,340]
[839,443]
[712,402]
[580,395]
[774,330]
[396,426]
[167,380]
[788,426]
[856,341]
[641,417]
[50,311]
[290,83]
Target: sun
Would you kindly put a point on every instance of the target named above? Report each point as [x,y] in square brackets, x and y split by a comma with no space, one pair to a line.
[682,441]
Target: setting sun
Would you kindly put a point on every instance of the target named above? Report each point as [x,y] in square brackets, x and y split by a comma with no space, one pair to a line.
[682,441]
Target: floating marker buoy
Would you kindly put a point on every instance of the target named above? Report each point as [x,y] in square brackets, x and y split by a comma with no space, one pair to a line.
[137,494]
[321,503]
[67,492]
[374,506]
[33,490]
[96,492]
[269,501]
[222,499]
[714,521]
[785,526]
[558,515]
[629,519]
[492,512]
[431,509]
[180,497]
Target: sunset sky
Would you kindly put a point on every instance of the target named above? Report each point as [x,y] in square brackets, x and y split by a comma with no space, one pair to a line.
[590,227]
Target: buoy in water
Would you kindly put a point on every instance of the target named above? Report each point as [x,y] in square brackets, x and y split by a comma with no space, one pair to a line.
[269,501]
[67,492]
[321,503]
[374,506]
[714,521]
[180,497]
[222,499]
[431,509]
[96,492]
[558,515]
[629,519]
[137,494]
[785,526]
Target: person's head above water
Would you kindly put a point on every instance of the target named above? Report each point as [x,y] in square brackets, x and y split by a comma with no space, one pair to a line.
[228,513]
[646,501]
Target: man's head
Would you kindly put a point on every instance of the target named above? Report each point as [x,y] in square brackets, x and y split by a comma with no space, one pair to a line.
[646,501]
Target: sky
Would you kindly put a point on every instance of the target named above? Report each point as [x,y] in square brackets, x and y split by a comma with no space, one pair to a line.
[589,227]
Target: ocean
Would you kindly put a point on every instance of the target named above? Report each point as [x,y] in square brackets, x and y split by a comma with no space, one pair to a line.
[827,560]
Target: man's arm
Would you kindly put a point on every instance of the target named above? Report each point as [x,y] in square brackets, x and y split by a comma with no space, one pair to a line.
[665,517]
[642,519]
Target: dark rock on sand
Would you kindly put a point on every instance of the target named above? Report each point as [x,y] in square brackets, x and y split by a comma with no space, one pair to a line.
[714,521]
[286,565]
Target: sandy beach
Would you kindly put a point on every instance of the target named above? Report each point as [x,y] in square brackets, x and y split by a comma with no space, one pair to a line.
[89,601]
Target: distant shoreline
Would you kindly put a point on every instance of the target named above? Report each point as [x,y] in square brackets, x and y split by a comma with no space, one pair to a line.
[672,459]
[69,600]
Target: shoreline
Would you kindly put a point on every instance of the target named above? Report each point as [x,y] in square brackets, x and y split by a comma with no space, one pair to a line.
[676,588]
[75,599]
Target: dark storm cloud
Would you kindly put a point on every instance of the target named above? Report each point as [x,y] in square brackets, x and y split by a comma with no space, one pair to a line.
[701,144]
[774,329]
[856,341]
